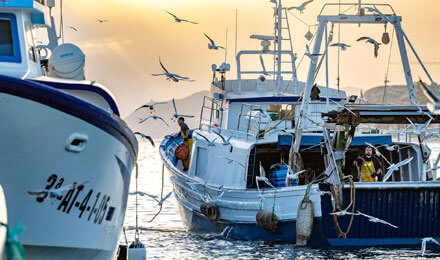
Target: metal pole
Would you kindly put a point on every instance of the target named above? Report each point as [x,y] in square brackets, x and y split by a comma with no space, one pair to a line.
[326,69]
[280,46]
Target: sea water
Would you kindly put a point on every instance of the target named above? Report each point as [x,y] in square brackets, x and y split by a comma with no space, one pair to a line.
[166,238]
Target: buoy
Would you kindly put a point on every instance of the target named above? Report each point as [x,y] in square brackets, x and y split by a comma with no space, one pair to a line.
[210,211]
[267,220]
[304,221]
[137,251]
[182,152]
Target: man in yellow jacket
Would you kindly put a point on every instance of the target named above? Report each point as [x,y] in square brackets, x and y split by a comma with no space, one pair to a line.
[371,167]
[187,140]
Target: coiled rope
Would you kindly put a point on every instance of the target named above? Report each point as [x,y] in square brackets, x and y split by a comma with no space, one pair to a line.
[352,205]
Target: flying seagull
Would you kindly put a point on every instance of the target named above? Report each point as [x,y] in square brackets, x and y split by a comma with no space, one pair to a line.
[210,143]
[313,57]
[390,148]
[230,161]
[301,7]
[342,106]
[372,41]
[362,99]
[160,202]
[55,193]
[141,193]
[178,20]
[263,177]
[177,115]
[155,118]
[171,76]
[425,240]
[263,67]
[376,220]
[341,45]
[102,21]
[435,166]
[434,100]
[73,28]
[212,45]
[151,106]
[394,167]
[145,137]
[343,213]
[225,141]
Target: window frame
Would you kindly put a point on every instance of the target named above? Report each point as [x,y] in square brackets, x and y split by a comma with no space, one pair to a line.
[15,39]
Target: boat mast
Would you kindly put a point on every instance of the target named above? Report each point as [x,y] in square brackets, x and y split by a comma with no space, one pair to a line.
[278,35]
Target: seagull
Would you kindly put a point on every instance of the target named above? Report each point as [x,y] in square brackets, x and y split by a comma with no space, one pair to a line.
[342,106]
[378,152]
[212,45]
[292,176]
[313,57]
[177,115]
[225,141]
[232,161]
[55,193]
[341,45]
[155,118]
[151,106]
[425,240]
[220,106]
[394,167]
[372,41]
[140,193]
[214,199]
[376,220]
[390,148]
[435,166]
[159,202]
[171,76]
[210,143]
[73,28]
[146,137]
[263,177]
[362,98]
[102,21]
[434,101]
[343,213]
[301,7]
[178,20]
[431,135]
[264,67]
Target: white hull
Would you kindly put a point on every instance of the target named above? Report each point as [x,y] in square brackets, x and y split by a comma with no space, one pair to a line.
[86,222]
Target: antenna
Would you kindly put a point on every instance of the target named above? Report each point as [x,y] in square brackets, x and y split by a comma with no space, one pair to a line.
[236,30]
[360,6]
[226,45]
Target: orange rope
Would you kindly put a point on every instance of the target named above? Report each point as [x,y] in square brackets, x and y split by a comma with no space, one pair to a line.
[352,205]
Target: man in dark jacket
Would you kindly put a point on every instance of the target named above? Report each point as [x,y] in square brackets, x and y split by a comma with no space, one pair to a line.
[370,166]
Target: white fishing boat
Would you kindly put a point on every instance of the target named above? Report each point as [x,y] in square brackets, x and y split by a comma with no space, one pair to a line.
[67,156]
[273,157]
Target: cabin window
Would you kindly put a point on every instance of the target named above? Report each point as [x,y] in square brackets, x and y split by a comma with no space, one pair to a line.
[202,162]
[9,41]
[6,43]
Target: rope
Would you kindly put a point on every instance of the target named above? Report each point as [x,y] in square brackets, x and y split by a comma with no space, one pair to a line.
[161,196]
[13,248]
[136,233]
[388,67]
[352,205]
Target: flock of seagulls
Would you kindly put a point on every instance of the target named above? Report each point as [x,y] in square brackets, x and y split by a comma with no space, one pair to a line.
[98,20]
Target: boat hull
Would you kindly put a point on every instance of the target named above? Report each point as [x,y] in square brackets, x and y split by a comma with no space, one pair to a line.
[48,144]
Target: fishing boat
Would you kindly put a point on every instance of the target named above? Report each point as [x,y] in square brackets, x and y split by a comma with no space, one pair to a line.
[272,158]
[67,155]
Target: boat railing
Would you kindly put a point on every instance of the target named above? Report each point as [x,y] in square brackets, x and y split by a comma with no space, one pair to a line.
[343,8]
[214,108]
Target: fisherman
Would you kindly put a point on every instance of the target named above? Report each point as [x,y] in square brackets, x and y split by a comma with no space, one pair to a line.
[187,140]
[371,167]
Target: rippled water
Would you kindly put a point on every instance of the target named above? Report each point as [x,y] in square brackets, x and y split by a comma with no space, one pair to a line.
[166,238]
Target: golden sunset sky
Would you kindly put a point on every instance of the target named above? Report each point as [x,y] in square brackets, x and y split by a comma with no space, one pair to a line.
[123,53]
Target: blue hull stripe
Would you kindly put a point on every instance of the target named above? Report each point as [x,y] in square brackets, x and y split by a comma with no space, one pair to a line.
[91,88]
[71,105]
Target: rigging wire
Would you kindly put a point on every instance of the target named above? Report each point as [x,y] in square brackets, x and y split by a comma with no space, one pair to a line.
[338,79]
[388,68]
[61,22]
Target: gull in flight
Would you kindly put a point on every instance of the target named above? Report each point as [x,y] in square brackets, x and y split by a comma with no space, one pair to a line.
[178,20]
[435,166]
[145,137]
[154,197]
[394,167]
[343,213]
[263,177]
[230,161]
[431,135]
[378,152]
[225,141]
[313,57]
[210,143]
[212,45]
[434,101]
[362,99]
[341,45]
[301,7]
[220,106]
[171,76]
[55,193]
[264,67]
[342,106]
[141,193]
[372,41]
[425,240]
[177,115]
[73,28]
[155,118]
[151,106]
[420,129]
[102,21]
[390,148]
[291,175]
[376,220]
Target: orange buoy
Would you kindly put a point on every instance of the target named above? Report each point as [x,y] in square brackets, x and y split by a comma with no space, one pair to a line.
[182,152]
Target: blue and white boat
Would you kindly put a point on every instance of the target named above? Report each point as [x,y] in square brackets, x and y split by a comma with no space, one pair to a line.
[238,184]
[66,155]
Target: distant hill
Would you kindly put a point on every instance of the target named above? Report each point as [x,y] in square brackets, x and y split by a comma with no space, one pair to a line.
[395,95]
[190,105]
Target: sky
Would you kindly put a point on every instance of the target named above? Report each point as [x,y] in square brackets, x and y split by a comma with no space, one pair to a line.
[123,53]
